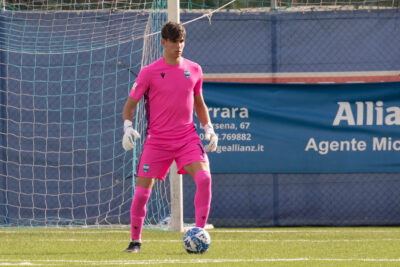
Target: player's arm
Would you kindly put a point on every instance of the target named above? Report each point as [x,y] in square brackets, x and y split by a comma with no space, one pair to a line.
[127,115]
[129,109]
[201,110]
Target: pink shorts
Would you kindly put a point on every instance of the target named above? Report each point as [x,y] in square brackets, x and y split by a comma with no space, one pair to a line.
[157,158]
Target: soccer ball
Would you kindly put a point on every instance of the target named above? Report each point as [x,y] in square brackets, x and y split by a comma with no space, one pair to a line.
[196,240]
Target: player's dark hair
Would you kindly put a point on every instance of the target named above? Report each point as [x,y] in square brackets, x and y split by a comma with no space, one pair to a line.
[173,31]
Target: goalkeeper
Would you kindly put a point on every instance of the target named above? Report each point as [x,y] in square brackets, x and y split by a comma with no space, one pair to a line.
[172,88]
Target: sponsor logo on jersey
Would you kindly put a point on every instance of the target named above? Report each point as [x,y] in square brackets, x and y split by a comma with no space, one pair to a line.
[162,74]
[146,168]
[187,74]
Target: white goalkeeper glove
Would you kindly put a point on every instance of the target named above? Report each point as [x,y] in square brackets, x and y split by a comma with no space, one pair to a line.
[210,135]
[129,133]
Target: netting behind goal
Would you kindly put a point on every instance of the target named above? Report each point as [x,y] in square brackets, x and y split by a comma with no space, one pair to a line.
[65,73]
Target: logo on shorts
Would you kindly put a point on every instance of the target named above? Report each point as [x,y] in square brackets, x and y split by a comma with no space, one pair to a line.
[146,168]
[187,74]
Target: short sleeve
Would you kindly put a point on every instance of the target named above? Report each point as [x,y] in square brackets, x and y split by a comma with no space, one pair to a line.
[141,85]
[199,83]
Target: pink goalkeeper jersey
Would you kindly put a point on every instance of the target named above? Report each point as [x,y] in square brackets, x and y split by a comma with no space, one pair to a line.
[168,92]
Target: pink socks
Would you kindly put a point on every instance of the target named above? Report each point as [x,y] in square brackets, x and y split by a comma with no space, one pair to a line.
[138,211]
[202,198]
[202,202]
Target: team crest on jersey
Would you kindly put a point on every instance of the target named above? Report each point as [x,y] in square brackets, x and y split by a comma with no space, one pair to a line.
[146,168]
[187,74]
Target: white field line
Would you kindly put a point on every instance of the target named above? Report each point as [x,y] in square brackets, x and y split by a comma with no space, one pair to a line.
[17,264]
[62,231]
[397,230]
[189,261]
[87,231]
[227,240]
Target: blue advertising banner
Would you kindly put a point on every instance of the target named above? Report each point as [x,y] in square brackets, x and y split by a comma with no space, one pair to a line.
[303,128]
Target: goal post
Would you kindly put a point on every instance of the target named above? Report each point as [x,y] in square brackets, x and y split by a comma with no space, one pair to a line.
[173,10]
[176,186]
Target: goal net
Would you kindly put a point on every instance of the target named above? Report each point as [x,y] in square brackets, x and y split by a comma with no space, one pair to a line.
[66,69]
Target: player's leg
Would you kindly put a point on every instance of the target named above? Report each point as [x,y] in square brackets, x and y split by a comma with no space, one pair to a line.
[202,200]
[192,159]
[154,163]
[138,211]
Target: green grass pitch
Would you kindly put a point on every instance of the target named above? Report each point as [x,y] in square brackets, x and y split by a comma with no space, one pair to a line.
[309,246]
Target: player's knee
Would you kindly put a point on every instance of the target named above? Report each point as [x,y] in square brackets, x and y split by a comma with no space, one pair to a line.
[141,198]
[139,201]
[142,193]
[203,179]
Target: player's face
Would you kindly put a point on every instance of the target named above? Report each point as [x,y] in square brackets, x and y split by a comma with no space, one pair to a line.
[173,48]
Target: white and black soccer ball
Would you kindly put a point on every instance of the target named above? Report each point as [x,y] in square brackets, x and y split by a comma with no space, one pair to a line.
[196,240]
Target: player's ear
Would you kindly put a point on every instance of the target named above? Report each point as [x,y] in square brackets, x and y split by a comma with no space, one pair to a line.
[163,41]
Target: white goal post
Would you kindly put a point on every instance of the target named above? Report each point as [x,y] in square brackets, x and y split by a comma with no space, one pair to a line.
[175,179]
